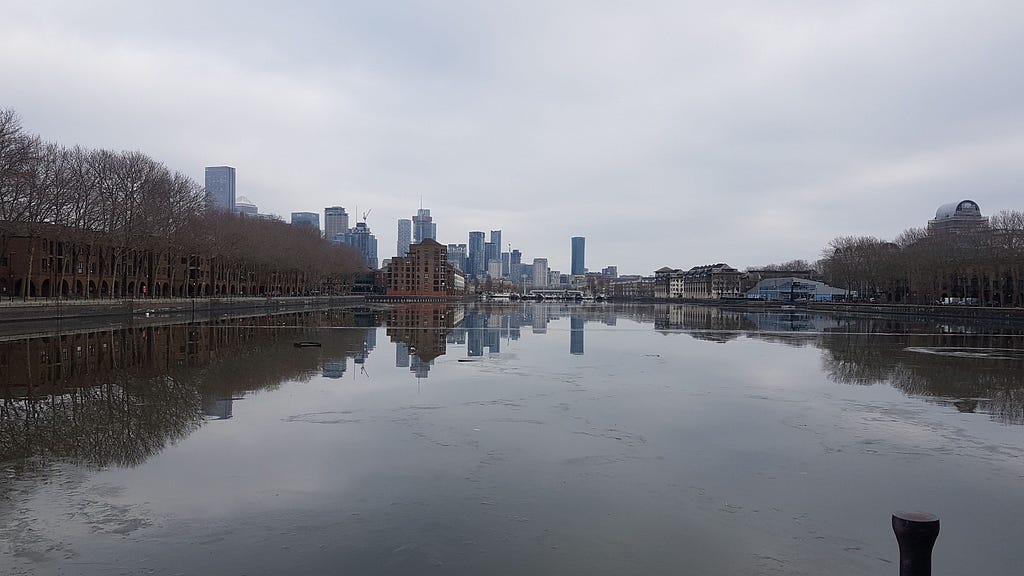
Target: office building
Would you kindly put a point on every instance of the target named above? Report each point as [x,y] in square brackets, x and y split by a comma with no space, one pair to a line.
[404,237]
[477,261]
[490,254]
[311,219]
[515,263]
[363,240]
[423,226]
[578,266]
[220,187]
[245,207]
[457,256]
[335,221]
[494,268]
[540,272]
[495,253]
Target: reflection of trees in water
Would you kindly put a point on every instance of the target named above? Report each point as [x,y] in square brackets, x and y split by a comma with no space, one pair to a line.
[121,421]
[992,386]
[870,350]
[117,397]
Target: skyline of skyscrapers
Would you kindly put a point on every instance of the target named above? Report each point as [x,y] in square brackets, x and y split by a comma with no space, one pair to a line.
[220,187]
[474,258]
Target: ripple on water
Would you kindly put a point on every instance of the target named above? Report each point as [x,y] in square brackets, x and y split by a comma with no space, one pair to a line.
[967,352]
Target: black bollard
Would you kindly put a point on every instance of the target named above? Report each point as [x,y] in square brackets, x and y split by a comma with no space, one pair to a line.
[916,533]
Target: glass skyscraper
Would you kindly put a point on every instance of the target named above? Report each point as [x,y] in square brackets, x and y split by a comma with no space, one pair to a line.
[423,226]
[220,187]
[578,244]
[335,221]
[404,236]
[477,263]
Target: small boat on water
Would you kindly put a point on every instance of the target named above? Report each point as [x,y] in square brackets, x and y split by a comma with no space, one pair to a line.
[307,344]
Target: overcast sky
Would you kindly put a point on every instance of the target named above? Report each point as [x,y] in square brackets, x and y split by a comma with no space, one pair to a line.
[667,133]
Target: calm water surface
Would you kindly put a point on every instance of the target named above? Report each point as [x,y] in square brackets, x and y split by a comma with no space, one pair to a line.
[544,439]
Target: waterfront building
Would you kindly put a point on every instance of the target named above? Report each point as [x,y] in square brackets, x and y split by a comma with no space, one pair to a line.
[404,236]
[578,265]
[633,286]
[663,278]
[220,187]
[795,289]
[424,272]
[311,219]
[423,226]
[362,239]
[610,271]
[245,207]
[335,221]
[710,282]
[477,261]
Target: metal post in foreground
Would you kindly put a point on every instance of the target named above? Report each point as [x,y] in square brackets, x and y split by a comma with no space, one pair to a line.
[916,533]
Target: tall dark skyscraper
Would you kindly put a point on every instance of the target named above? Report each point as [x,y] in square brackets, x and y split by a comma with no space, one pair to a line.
[492,249]
[578,266]
[477,262]
[220,187]
[515,266]
[423,226]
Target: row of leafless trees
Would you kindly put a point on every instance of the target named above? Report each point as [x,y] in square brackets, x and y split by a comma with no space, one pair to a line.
[140,220]
[984,265]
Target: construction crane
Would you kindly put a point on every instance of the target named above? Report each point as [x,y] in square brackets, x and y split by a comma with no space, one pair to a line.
[367,213]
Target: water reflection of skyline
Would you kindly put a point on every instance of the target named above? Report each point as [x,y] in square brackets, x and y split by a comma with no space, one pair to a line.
[855,350]
[69,397]
[423,332]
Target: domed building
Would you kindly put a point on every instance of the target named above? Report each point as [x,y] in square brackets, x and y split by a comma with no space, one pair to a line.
[961,216]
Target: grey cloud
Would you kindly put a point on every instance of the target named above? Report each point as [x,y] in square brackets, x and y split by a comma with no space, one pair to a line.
[667,133]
